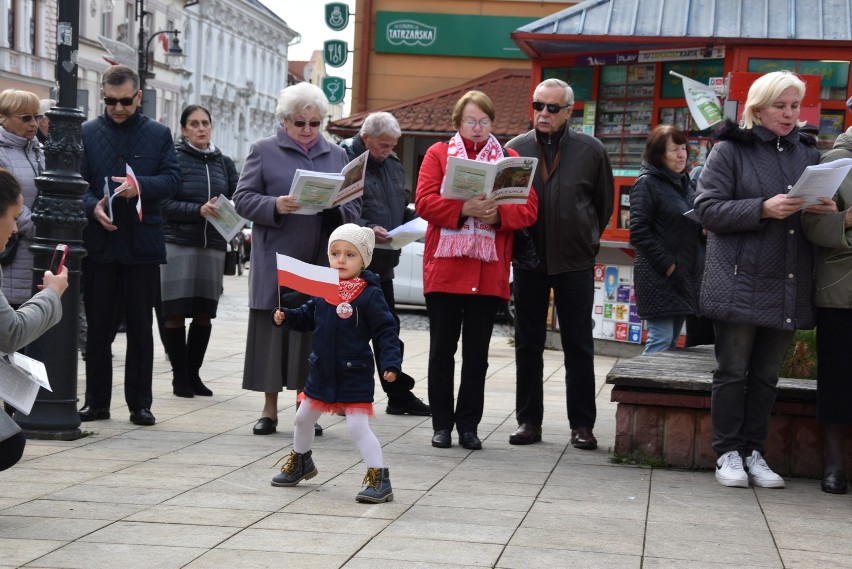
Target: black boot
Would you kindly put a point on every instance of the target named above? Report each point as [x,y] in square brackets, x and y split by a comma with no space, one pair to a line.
[174,340]
[297,468]
[196,347]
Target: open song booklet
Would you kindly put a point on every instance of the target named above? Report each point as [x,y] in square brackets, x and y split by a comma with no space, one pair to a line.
[508,180]
[821,180]
[20,379]
[316,191]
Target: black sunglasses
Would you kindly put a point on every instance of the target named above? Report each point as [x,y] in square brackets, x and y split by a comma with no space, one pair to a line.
[28,118]
[125,101]
[301,124]
[552,108]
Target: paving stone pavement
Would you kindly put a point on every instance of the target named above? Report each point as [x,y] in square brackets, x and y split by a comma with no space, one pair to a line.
[193,491]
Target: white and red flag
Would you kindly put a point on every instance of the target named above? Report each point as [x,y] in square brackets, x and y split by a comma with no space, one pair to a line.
[308,279]
[131,179]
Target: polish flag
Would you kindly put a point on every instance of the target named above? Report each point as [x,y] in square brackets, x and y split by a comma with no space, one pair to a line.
[164,39]
[308,279]
[131,178]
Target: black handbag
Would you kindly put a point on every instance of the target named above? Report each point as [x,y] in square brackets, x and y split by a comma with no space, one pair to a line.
[7,255]
[524,255]
[231,262]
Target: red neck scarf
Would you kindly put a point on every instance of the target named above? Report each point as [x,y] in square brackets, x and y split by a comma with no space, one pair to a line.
[349,290]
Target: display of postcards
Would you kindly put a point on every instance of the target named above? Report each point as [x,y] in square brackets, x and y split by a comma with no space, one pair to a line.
[599,273]
[633,295]
[622,311]
[608,330]
[623,294]
[634,333]
[607,311]
[634,315]
[621,331]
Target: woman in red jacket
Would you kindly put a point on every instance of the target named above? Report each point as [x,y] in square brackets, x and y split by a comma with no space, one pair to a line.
[465,270]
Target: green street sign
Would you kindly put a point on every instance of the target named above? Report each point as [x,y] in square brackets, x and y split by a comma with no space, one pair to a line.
[337,15]
[335,52]
[334,89]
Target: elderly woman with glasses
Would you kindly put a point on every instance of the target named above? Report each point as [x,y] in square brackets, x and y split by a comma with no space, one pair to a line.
[21,154]
[277,358]
[465,270]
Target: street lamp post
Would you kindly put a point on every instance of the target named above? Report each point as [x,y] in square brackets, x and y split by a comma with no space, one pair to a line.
[59,218]
[149,101]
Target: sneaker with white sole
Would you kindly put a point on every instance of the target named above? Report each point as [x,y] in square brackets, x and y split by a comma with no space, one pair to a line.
[729,470]
[759,472]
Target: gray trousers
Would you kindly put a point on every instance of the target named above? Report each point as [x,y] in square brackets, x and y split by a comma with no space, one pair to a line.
[747,362]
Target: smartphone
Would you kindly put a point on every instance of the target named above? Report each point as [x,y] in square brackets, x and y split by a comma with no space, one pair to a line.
[58,260]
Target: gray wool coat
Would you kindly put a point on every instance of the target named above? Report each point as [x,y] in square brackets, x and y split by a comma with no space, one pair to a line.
[25,159]
[267,173]
[20,327]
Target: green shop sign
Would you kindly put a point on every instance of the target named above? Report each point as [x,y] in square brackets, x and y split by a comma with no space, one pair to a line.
[448,34]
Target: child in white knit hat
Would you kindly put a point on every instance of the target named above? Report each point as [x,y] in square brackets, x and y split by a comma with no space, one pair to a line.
[341,368]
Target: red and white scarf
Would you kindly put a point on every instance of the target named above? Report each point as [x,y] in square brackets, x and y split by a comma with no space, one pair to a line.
[475,238]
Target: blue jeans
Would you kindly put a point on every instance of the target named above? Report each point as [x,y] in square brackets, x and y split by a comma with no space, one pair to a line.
[747,362]
[663,333]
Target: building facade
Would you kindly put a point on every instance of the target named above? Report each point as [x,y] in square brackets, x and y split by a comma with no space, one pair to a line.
[28,45]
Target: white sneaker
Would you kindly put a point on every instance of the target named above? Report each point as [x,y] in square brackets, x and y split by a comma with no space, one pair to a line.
[760,474]
[729,470]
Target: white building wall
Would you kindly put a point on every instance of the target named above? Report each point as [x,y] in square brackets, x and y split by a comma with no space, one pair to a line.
[237,74]
[28,63]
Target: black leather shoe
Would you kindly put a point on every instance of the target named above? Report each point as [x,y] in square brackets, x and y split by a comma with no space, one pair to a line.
[265,426]
[317,430]
[441,439]
[142,417]
[583,438]
[409,405]
[834,482]
[89,413]
[525,434]
[470,441]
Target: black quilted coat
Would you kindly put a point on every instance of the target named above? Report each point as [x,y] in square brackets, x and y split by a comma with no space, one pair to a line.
[203,176]
[758,271]
[148,147]
[661,235]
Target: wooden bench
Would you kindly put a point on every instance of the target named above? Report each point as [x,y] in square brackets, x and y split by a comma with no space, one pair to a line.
[664,412]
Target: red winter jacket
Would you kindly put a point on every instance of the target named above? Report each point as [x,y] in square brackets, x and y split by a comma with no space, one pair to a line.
[464,275]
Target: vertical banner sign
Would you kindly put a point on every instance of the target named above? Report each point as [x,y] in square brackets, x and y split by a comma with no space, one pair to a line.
[337,15]
[335,52]
[334,89]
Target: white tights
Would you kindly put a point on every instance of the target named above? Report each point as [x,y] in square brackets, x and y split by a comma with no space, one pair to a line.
[359,429]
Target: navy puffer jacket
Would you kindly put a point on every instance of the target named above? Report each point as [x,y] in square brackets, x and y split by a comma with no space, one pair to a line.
[149,149]
[341,368]
[661,235]
[203,176]
[758,272]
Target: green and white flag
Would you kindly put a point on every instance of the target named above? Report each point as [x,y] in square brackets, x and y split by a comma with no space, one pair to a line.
[704,105]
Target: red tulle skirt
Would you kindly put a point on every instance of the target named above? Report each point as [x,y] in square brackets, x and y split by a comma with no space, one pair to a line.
[336,408]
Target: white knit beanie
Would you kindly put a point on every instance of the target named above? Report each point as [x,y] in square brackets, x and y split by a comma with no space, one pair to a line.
[362,238]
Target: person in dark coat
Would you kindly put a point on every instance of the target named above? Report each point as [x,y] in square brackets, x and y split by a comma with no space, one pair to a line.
[666,242]
[191,282]
[385,207]
[124,240]
[757,284]
[340,378]
[575,187]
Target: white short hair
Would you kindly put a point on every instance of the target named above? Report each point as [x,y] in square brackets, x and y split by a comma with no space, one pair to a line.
[299,98]
[381,123]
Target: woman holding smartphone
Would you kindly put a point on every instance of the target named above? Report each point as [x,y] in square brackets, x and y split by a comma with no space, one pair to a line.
[34,317]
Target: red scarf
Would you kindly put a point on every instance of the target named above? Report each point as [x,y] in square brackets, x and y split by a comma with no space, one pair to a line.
[349,290]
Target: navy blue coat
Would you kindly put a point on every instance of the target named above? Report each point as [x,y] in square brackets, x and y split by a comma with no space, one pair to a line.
[149,149]
[341,368]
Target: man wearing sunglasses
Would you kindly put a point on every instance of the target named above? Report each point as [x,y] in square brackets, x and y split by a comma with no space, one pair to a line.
[385,207]
[575,188]
[124,240]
